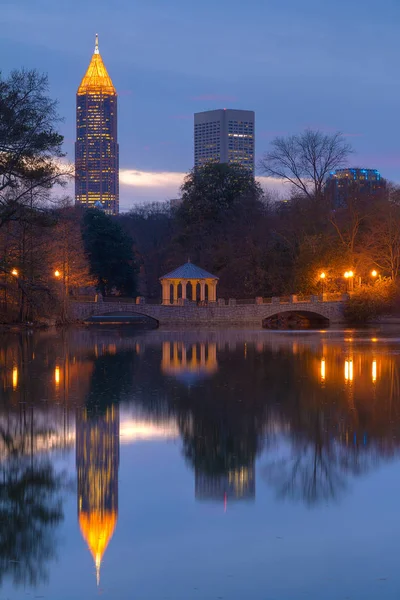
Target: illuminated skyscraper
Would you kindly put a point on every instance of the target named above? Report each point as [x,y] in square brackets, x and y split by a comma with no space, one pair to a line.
[354,185]
[96,148]
[224,136]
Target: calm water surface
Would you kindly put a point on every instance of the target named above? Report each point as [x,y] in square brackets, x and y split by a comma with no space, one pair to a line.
[200,465]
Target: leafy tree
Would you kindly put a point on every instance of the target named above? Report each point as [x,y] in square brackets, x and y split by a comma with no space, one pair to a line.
[30,145]
[212,190]
[110,252]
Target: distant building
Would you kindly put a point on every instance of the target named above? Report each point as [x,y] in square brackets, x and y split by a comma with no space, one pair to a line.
[346,184]
[225,136]
[96,148]
[237,484]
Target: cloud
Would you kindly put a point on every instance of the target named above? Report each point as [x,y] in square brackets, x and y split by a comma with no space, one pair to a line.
[141,187]
[138,187]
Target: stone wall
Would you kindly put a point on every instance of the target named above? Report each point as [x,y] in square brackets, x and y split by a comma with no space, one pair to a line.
[191,314]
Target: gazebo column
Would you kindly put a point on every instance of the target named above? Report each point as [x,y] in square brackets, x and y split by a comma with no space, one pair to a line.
[184,286]
[166,292]
[202,291]
[175,284]
[212,291]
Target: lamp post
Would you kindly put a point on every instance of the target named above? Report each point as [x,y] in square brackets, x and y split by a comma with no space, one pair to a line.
[322,278]
[374,274]
[57,275]
[349,276]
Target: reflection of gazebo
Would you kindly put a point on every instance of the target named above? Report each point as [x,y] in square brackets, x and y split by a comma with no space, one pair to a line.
[189,282]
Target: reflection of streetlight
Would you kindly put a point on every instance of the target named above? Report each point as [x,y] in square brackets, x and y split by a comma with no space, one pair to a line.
[323,369]
[14,272]
[348,370]
[374,371]
[57,375]
[15,377]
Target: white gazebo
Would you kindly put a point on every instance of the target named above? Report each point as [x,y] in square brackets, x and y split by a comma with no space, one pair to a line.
[189,282]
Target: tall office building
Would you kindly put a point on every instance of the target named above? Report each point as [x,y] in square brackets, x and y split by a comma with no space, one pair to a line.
[344,185]
[96,148]
[224,136]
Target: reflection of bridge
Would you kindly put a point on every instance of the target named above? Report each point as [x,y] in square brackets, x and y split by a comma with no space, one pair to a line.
[218,313]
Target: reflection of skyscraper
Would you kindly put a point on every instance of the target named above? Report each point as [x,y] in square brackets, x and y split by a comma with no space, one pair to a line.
[97,461]
[237,484]
[96,148]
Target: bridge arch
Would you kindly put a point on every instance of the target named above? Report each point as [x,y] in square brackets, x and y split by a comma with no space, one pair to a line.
[123,315]
[293,318]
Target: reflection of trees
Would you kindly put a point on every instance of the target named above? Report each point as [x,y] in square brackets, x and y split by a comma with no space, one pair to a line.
[30,511]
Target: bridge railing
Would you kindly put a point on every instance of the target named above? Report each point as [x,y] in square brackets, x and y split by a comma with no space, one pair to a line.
[292,299]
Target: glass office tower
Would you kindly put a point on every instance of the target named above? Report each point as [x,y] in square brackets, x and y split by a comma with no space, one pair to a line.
[96,148]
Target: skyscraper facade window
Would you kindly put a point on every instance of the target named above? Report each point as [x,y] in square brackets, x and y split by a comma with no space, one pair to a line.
[349,185]
[225,136]
[96,148]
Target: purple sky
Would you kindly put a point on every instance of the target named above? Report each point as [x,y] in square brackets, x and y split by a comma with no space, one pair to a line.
[332,66]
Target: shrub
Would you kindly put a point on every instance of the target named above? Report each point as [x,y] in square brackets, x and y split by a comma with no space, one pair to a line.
[370,302]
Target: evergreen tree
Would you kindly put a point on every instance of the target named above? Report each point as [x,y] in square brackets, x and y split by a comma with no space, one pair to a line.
[110,252]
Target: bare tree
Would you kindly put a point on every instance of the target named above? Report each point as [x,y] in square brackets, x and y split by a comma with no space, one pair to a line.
[305,160]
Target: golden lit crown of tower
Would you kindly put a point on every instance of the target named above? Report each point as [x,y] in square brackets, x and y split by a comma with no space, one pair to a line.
[96,78]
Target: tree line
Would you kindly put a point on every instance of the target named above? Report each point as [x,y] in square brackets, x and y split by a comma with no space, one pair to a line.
[262,245]
[49,249]
[256,243]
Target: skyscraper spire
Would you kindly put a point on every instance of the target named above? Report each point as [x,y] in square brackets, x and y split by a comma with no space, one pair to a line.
[96,45]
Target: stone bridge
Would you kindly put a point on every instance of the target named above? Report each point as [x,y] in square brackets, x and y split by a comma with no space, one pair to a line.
[218,313]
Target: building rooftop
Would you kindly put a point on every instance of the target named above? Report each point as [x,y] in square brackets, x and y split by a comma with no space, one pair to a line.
[96,78]
[189,271]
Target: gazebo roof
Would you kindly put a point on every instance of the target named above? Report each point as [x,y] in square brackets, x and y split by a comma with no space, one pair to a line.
[189,271]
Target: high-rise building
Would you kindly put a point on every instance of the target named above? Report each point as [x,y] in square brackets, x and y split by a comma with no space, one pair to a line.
[224,136]
[345,185]
[96,148]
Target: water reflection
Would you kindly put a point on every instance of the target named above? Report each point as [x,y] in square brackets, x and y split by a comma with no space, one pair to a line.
[312,412]
[97,463]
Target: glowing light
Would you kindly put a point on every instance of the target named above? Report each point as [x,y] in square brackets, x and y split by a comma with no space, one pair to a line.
[96,79]
[374,273]
[348,370]
[374,371]
[322,275]
[323,369]
[57,273]
[15,377]
[14,272]
[57,375]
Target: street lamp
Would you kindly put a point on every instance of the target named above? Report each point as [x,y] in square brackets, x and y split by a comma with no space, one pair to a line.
[349,276]
[14,272]
[57,273]
[374,274]
[322,277]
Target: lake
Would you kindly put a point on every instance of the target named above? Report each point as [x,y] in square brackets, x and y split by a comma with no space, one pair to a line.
[200,465]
